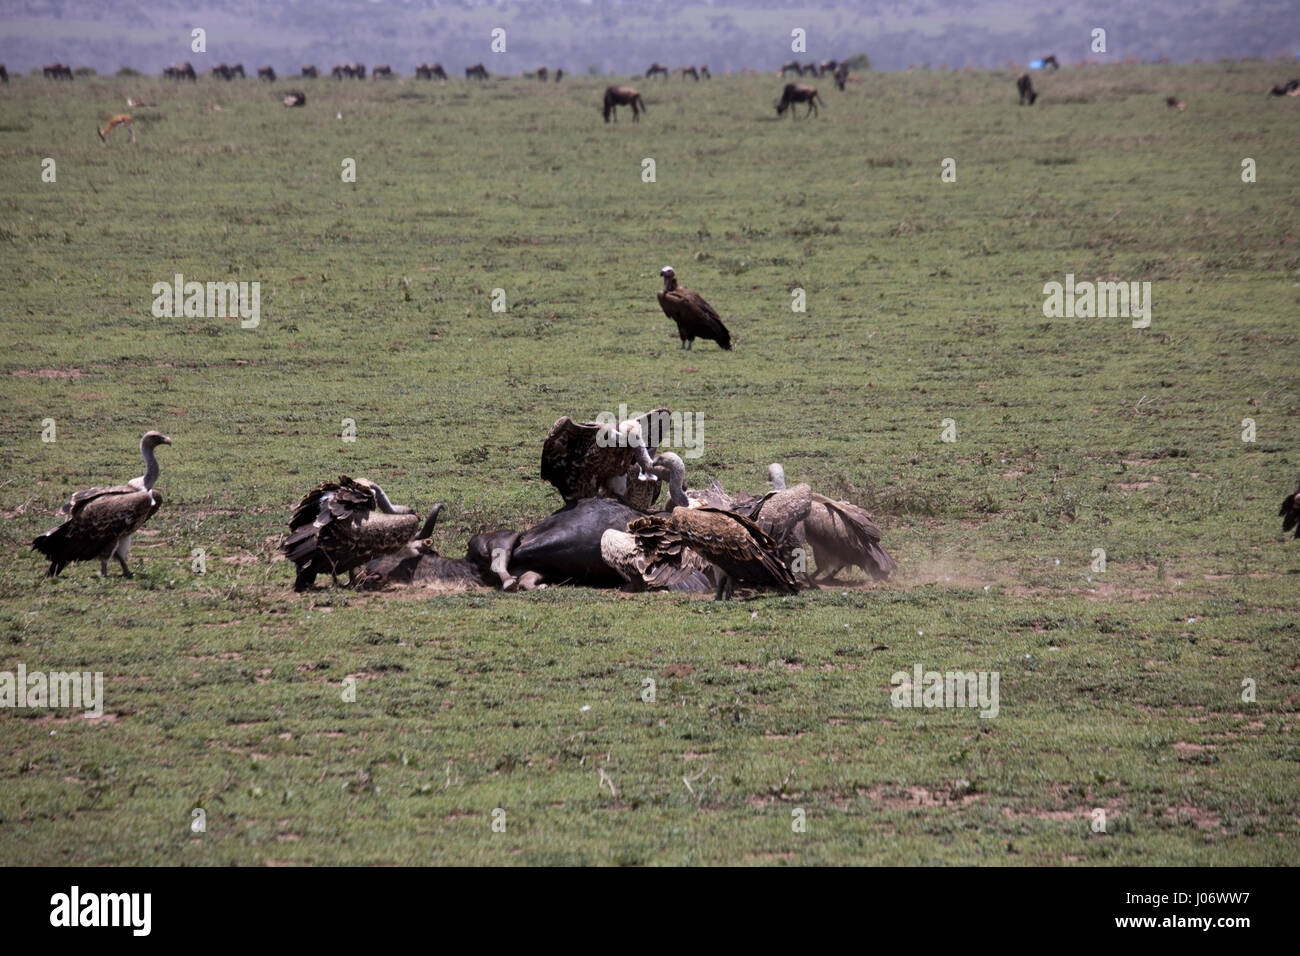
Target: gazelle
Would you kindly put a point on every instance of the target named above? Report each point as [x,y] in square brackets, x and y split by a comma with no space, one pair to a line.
[120,119]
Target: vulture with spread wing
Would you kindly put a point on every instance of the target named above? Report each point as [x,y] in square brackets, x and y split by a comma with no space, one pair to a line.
[595,459]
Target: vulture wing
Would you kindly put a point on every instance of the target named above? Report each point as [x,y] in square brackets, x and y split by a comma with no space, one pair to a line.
[579,457]
[853,526]
[694,316]
[96,523]
[1290,513]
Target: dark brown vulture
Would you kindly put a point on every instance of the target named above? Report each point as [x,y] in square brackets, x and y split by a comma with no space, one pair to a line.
[1290,513]
[295,98]
[101,521]
[593,459]
[339,526]
[738,548]
[695,318]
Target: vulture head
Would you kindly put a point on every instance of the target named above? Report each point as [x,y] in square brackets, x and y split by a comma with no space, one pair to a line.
[669,467]
[152,440]
[632,437]
[776,475]
[670,278]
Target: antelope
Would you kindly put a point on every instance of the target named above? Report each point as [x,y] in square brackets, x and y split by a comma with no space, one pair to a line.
[121,119]
[616,96]
[798,93]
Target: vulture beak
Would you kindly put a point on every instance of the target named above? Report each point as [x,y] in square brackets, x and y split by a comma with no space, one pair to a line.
[164,440]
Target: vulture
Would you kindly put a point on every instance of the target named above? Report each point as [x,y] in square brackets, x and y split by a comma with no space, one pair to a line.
[591,459]
[781,513]
[695,318]
[341,525]
[101,521]
[1290,513]
[420,563]
[738,548]
[672,470]
[841,534]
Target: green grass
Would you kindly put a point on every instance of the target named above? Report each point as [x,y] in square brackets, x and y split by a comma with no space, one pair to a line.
[1119,690]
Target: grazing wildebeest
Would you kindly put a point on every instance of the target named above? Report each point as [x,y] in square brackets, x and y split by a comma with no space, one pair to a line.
[616,96]
[704,72]
[476,72]
[1175,104]
[798,93]
[686,71]
[812,68]
[4,74]
[543,74]
[295,98]
[237,69]
[1285,89]
[266,73]
[221,71]
[829,66]
[656,67]
[841,76]
[789,65]
[559,74]
[1050,62]
[181,71]
[58,71]
[311,72]
[353,71]
[1026,89]
[427,71]
[379,71]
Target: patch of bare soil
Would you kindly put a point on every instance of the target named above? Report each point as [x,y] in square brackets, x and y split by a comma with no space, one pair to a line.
[48,372]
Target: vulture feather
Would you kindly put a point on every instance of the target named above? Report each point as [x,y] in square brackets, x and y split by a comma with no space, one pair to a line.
[101,521]
[339,526]
[841,535]
[695,318]
[679,569]
[591,459]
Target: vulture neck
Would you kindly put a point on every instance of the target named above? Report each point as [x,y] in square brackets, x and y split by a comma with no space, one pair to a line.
[776,474]
[150,466]
[670,283]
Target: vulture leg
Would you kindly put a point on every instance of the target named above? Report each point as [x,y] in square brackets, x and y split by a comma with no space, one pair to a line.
[103,567]
[304,580]
[530,580]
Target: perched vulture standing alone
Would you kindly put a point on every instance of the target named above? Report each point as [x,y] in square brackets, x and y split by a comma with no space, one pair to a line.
[101,521]
[339,526]
[695,318]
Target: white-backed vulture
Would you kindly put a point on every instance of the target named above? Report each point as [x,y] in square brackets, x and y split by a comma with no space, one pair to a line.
[679,570]
[695,318]
[591,459]
[340,525]
[840,534]
[101,521]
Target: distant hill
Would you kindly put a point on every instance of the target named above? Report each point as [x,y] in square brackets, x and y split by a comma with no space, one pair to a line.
[624,36]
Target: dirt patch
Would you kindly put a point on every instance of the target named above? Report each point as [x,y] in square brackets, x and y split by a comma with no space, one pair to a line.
[906,798]
[677,670]
[48,372]
[1135,485]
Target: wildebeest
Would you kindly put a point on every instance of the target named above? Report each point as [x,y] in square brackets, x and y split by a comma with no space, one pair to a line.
[1175,104]
[221,71]
[656,67]
[1026,88]
[690,71]
[559,73]
[1289,88]
[841,76]
[237,69]
[1050,61]
[543,74]
[181,71]
[310,72]
[4,74]
[476,72]
[353,71]
[616,96]
[427,71]
[266,73]
[812,68]
[829,66]
[704,72]
[58,71]
[794,65]
[799,93]
[295,98]
[379,71]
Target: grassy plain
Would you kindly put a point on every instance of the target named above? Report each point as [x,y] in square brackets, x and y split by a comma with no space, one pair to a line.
[1120,690]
